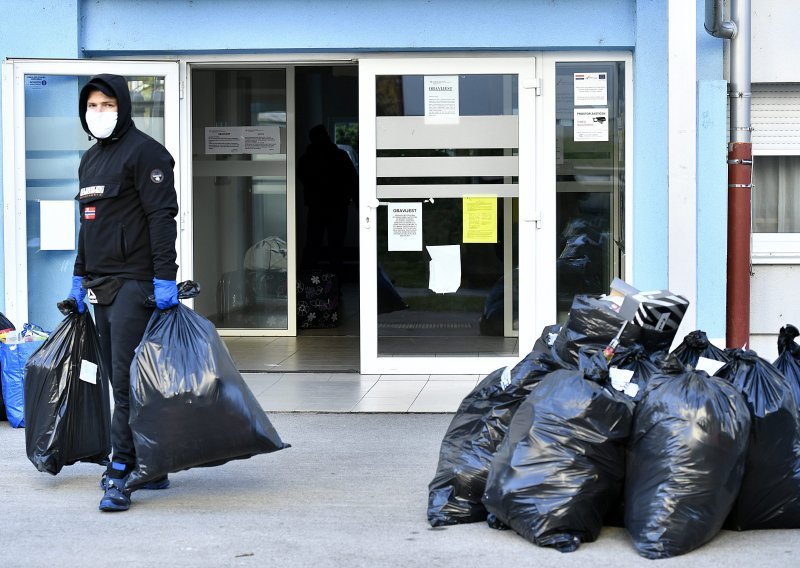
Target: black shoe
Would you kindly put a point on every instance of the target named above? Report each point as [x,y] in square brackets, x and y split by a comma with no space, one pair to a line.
[115,498]
[155,484]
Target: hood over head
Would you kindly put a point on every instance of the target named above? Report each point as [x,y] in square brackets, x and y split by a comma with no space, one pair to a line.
[113,86]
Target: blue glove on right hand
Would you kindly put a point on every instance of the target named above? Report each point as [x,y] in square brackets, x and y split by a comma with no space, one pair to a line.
[78,293]
[166,293]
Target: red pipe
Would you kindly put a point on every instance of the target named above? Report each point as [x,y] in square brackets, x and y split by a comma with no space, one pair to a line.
[740,169]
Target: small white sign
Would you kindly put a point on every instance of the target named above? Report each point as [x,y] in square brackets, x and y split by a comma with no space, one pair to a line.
[405,227]
[88,372]
[591,125]
[590,89]
[441,98]
[57,225]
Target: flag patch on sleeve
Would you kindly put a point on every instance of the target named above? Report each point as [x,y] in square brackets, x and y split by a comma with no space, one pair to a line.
[89,213]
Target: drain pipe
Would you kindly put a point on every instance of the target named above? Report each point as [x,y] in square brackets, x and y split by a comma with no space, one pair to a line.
[740,164]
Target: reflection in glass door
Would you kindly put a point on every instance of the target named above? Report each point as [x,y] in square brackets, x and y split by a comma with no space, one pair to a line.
[590,178]
[42,240]
[450,165]
[239,184]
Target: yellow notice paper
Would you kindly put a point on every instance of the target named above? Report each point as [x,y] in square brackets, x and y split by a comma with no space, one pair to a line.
[480,219]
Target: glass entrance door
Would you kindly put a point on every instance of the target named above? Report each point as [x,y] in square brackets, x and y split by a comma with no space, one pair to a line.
[41,152]
[448,212]
[242,233]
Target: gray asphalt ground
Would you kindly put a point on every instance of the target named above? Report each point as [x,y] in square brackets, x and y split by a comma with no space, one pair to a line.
[351,492]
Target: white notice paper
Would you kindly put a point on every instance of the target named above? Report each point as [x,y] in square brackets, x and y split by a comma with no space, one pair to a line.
[243,140]
[445,268]
[88,372]
[224,140]
[590,89]
[591,125]
[441,98]
[262,139]
[57,225]
[405,226]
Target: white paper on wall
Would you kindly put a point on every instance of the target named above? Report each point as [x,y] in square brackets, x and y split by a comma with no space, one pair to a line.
[57,225]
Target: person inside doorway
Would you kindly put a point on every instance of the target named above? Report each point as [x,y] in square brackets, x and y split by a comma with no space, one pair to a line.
[330,183]
[126,252]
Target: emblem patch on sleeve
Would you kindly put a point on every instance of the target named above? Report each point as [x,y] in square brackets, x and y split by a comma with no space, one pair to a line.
[89,213]
[157,176]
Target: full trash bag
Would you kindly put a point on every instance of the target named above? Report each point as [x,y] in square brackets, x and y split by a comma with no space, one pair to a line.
[14,353]
[770,493]
[788,361]
[685,460]
[592,324]
[638,361]
[478,427]
[696,345]
[67,405]
[190,406]
[561,466]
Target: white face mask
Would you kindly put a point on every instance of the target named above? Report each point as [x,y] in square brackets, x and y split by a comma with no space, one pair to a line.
[101,124]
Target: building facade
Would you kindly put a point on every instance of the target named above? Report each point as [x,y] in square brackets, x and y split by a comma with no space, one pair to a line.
[510,155]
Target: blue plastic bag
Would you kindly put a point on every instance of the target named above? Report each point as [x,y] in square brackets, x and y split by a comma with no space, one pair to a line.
[13,357]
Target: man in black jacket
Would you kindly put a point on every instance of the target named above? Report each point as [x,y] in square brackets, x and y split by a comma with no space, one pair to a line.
[126,251]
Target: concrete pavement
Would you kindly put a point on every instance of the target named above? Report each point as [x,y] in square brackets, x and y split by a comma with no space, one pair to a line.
[351,492]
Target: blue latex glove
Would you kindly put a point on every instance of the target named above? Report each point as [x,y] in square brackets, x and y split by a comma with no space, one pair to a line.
[78,293]
[166,293]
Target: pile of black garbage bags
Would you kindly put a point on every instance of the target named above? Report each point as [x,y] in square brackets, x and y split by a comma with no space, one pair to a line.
[674,446]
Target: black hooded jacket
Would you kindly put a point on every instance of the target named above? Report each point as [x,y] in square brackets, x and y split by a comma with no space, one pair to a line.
[127,198]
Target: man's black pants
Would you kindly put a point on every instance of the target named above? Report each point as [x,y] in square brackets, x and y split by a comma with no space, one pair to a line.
[121,326]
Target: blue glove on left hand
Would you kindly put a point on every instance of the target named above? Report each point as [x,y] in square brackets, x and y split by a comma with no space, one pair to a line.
[166,293]
[78,293]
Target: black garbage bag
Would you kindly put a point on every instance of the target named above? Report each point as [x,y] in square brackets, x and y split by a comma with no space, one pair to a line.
[788,361]
[561,465]
[67,405]
[636,359]
[685,460]
[770,493]
[696,345]
[478,427]
[190,406]
[591,324]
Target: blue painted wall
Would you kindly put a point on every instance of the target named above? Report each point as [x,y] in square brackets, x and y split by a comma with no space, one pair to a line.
[122,26]
[36,29]
[650,174]
[712,182]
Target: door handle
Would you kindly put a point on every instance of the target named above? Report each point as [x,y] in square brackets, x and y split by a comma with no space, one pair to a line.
[371,211]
